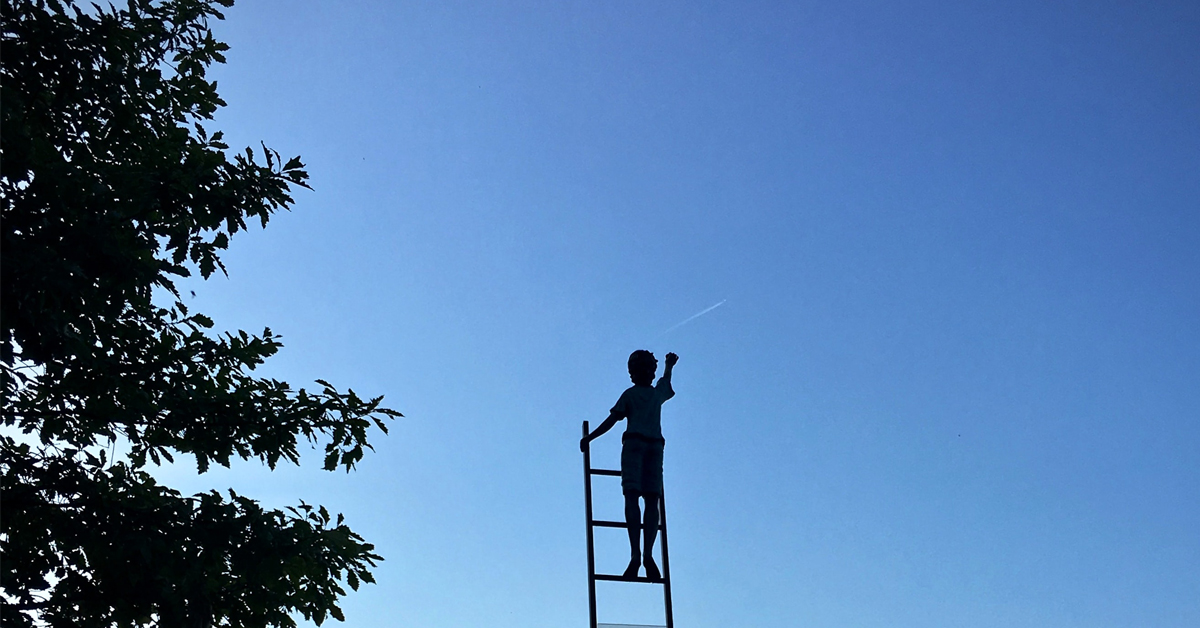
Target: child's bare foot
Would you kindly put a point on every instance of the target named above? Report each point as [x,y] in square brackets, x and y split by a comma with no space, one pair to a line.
[632,570]
[652,569]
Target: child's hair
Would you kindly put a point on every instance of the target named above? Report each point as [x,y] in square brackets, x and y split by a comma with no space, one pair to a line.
[642,365]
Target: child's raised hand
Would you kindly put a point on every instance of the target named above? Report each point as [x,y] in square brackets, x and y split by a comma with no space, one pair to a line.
[672,359]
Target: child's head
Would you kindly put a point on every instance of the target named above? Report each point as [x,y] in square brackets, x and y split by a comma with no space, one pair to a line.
[641,367]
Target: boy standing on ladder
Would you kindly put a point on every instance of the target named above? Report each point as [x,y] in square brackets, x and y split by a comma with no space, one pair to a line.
[641,453]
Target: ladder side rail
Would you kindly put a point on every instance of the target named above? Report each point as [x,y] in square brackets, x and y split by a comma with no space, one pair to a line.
[666,556]
[591,554]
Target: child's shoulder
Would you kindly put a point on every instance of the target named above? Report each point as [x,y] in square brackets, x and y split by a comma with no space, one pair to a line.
[637,392]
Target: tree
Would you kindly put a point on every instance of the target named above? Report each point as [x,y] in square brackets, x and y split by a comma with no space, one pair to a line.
[112,190]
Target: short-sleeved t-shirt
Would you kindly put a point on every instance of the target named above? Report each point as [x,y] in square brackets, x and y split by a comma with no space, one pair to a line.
[642,405]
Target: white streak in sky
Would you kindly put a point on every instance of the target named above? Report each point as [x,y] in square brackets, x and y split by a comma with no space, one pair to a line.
[695,316]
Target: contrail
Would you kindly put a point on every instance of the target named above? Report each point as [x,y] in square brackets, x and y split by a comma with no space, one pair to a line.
[695,316]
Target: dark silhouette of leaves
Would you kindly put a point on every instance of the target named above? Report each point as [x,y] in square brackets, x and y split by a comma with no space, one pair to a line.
[111,189]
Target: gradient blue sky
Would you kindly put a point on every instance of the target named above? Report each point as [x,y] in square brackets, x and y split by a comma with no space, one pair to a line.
[956,381]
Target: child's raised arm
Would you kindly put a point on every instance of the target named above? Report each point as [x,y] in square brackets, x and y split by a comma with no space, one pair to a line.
[608,423]
[664,382]
[671,360]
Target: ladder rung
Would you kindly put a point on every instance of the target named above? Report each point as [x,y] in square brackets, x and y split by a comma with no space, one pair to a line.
[616,524]
[604,472]
[613,578]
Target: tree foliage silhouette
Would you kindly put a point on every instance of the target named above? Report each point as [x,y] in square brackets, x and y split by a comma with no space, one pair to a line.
[112,190]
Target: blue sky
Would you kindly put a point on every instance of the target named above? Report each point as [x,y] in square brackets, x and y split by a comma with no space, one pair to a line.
[954,379]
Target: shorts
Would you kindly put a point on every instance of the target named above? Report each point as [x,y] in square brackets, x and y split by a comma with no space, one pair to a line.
[641,465]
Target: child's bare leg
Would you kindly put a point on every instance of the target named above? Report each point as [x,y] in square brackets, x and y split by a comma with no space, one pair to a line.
[650,530]
[633,522]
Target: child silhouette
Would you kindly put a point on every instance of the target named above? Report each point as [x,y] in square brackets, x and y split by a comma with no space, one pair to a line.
[641,453]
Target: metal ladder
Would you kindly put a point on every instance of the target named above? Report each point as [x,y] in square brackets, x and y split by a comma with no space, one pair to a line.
[588,472]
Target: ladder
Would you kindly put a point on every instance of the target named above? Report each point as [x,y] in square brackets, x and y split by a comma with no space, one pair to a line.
[588,472]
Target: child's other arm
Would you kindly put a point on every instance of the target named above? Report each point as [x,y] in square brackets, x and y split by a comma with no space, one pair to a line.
[608,423]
